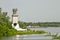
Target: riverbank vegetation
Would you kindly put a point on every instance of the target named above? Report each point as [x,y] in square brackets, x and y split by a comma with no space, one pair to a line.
[5,25]
[43,24]
[31,32]
[54,36]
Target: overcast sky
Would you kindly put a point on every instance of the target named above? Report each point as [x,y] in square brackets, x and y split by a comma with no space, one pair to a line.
[33,10]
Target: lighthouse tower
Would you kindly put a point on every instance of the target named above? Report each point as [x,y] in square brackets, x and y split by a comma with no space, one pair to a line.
[15,20]
[15,17]
[15,24]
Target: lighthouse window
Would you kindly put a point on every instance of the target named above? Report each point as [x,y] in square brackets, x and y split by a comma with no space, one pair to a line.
[15,24]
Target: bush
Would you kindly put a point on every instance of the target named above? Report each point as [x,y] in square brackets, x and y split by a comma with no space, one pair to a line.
[11,32]
[5,26]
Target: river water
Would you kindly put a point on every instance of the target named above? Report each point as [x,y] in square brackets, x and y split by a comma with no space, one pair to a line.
[52,30]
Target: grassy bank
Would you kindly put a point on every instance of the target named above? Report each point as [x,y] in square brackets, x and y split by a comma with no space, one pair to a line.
[31,32]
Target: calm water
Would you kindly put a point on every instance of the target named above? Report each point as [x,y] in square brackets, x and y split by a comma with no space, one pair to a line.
[52,30]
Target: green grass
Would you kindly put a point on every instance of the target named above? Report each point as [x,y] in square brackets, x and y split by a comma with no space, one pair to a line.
[54,37]
[31,32]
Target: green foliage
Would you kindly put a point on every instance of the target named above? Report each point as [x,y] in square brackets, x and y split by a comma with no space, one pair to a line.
[3,30]
[22,24]
[41,31]
[31,32]
[5,26]
[11,32]
[56,36]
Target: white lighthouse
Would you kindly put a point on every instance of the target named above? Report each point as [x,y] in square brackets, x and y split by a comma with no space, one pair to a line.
[15,21]
[15,17]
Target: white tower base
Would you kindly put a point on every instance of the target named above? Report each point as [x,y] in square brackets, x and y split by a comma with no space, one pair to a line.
[15,24]
[18,28]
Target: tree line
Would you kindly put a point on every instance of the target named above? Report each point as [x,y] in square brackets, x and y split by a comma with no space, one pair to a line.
[44,24]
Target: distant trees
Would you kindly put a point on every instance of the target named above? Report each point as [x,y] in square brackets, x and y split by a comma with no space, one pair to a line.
[44,24]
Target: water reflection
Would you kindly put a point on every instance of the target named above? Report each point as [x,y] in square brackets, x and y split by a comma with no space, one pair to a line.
[28,37]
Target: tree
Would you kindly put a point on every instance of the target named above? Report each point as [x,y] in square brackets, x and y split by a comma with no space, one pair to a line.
[5,26]
[22,24]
